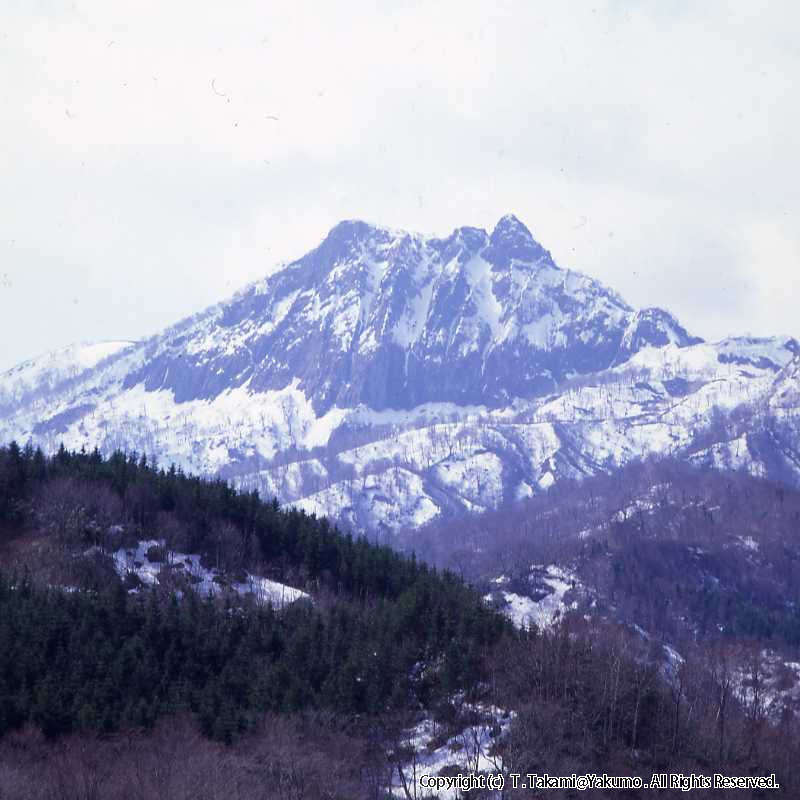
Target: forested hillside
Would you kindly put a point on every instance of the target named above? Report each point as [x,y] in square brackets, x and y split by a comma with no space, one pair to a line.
[680,550]
[374,668]
[380,631]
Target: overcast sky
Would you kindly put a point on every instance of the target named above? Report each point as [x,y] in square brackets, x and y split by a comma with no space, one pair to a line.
[156,156]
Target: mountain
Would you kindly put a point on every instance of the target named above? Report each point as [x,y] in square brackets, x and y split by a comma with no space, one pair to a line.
[392,320]
[388,379]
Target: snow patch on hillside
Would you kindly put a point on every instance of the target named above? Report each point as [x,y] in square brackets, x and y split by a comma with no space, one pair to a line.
[412,324]
[390,500]
[469,751]
[524,611]
[150,571]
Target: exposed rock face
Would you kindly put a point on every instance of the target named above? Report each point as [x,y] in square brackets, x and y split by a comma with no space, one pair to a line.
[393,320]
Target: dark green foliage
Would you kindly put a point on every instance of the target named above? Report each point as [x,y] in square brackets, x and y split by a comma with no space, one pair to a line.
[383,632]
[99,661]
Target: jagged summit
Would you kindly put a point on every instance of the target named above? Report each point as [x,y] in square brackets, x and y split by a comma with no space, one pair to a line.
[354,231]
[392,320]
[348,232]
[511,223]
[511,239]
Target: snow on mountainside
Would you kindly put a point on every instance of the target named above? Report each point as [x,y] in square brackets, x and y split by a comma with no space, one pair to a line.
[393,320]
[386,379]
[49,370]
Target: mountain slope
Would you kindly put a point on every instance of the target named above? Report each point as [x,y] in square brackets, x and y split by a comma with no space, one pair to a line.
[37,375]
[388,378]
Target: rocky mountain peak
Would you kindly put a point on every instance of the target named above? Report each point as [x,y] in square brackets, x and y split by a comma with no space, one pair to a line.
[510,226]
[511,240]
[349,231]
[393,320]
[348,240]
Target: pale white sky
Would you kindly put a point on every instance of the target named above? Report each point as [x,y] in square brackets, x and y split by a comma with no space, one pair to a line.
[155,156]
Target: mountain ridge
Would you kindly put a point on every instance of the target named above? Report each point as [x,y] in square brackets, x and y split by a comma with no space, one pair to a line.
[398,318]
[330,382]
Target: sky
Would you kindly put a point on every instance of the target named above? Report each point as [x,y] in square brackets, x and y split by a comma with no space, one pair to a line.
[157,156]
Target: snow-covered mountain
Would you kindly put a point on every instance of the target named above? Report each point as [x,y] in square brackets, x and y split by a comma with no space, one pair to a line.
[387,378]
[393,320]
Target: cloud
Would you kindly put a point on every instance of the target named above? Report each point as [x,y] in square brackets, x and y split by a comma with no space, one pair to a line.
[155,158]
